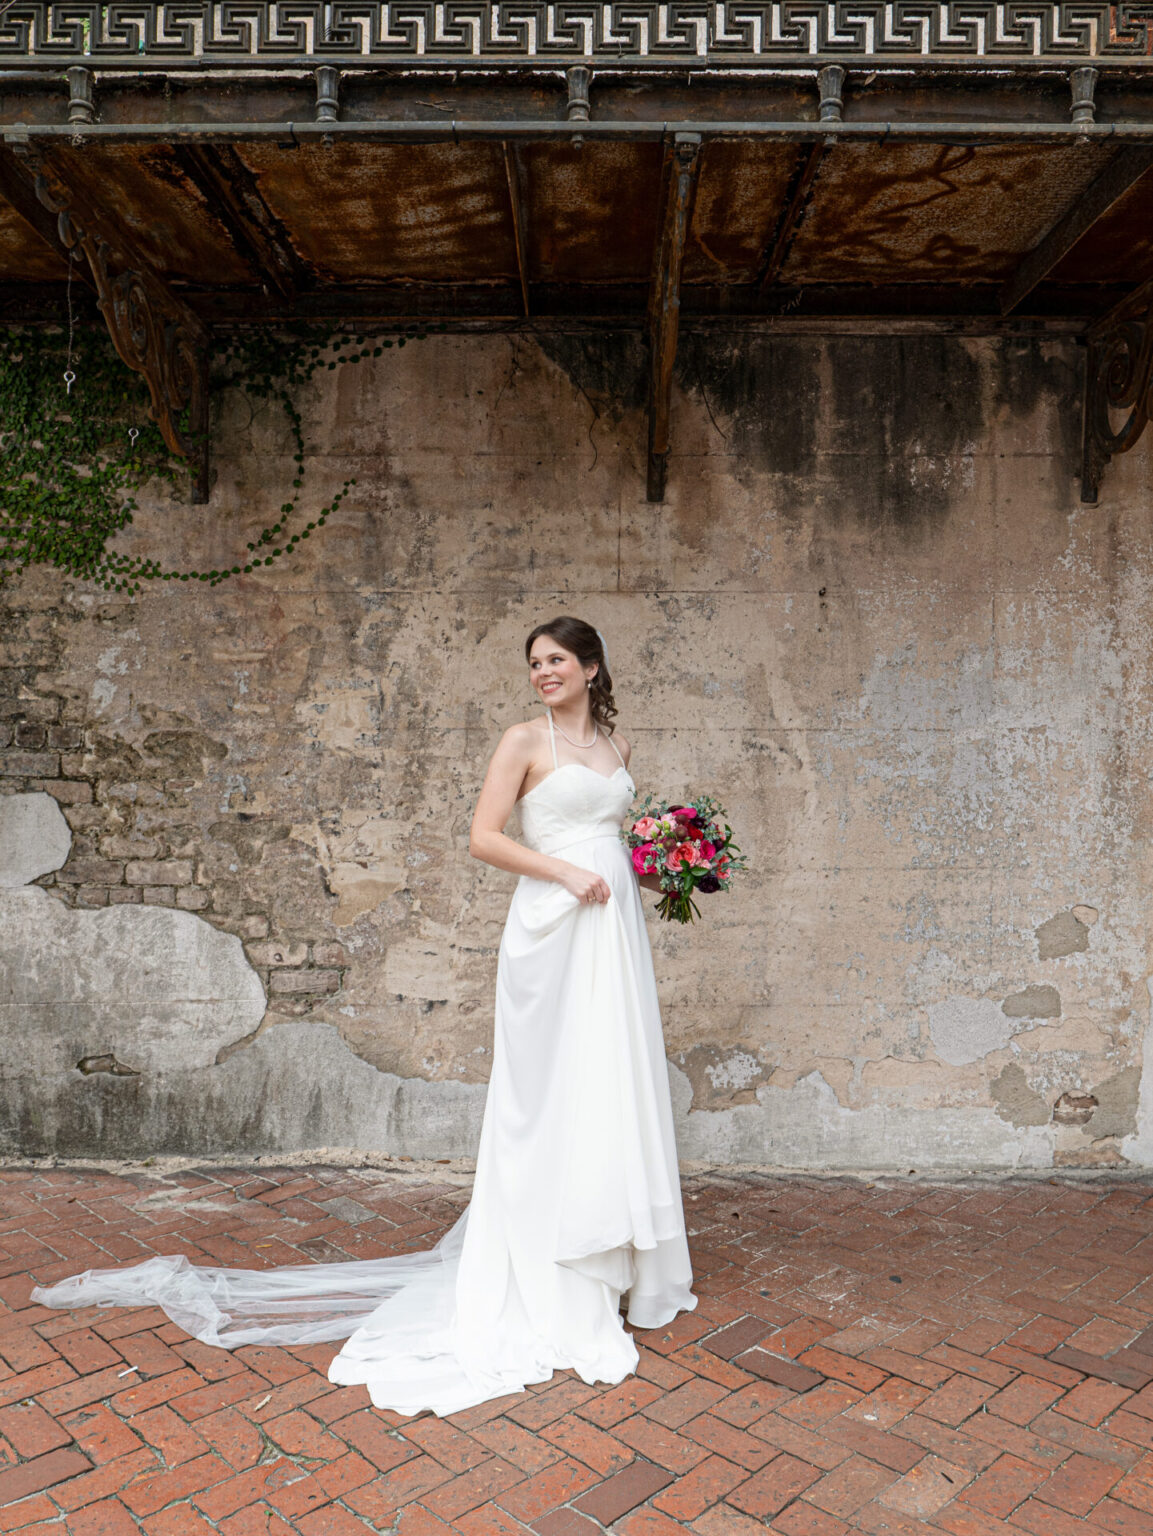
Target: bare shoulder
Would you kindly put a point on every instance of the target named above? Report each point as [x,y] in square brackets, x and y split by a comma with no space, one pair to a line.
[622,746]
[524,740]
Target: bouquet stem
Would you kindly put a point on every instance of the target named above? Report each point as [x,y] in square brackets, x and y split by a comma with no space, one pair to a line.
[678,907]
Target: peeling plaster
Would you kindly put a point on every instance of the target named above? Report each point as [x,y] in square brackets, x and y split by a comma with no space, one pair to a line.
[1035,1002]
[1062,935]
[966,1029]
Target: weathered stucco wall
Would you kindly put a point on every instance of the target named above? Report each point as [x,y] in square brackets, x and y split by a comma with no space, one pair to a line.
[872,617]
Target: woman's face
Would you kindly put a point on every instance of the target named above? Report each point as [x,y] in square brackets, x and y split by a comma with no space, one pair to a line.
[556,674]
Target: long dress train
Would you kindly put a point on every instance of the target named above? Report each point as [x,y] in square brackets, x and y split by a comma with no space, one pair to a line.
[576,1200]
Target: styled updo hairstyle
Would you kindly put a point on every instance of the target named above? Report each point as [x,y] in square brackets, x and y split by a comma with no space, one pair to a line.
[585,644]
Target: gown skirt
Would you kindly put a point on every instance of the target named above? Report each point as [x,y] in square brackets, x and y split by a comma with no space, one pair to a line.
[576,1202]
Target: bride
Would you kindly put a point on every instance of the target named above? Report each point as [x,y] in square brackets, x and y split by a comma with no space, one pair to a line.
[576,1202]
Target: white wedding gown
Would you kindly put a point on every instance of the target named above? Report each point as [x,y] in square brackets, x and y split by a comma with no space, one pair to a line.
[576,1200]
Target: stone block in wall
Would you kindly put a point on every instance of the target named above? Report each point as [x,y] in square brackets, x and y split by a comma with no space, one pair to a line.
[159,895]
[65,738]
[278,954]
[91,871]
[29,765]
[80,816]
[92,896]
[158,872]
[115,847]
[30,735]
[304,981]
[329,954]
[37,707]
[253,925]
[190,898]
[5,736]
[68,792]
[121,895]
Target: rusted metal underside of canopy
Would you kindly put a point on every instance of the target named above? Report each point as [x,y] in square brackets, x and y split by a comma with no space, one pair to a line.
[773,164]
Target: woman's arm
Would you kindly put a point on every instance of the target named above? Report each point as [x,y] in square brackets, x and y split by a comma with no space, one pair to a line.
[649,882]
[487,840]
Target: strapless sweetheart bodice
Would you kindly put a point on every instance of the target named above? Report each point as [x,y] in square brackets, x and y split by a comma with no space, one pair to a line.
[572,804]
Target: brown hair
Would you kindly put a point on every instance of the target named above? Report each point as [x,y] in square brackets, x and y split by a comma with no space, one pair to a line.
[585,643]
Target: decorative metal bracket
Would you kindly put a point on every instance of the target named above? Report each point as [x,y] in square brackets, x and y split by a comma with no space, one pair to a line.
[1118,380]
[155,334]
[678,188]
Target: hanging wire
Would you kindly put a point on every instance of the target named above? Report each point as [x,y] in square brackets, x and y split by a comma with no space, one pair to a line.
[69,371]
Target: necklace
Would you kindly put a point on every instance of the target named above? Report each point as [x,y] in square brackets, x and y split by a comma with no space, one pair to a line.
[583,745]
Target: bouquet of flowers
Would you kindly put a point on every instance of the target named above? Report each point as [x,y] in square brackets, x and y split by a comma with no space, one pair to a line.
[690,847]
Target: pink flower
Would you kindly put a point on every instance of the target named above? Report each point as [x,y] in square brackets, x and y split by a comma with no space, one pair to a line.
[686,853]
[646,827]
[709,851]
[643,861]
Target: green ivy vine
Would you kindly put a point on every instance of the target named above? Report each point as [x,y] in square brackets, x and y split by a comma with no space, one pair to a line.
[72,459]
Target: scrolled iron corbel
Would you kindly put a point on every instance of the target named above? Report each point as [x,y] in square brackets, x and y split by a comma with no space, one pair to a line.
[1118,383]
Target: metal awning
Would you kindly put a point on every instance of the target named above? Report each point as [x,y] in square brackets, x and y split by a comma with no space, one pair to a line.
[775,164]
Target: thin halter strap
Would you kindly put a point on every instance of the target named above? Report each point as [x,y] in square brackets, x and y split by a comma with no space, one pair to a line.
[552,740]
[615,748]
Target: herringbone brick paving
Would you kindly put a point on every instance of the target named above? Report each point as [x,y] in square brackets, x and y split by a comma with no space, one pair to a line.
[901,1358]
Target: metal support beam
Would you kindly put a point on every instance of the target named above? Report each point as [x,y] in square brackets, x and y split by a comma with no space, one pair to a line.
[1124,170]
[231,192]
[515,176]
[153,331]
[1118,381]
[678,187]
[17,189]
[796,200]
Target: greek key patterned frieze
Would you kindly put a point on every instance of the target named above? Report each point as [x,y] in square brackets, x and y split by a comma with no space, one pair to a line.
[566,30]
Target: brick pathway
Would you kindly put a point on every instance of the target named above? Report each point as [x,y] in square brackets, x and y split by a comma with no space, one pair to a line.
[903,1359]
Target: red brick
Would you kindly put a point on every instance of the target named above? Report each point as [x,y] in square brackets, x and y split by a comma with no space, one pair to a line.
[843,1491]
[801,1519]
[1044,1520]
[332,1480]
[469,1489]
[699,1362]
[490,1519]
[649,1522]
[108,1518]
[614,1497]
[558,1484]
[956,1400]
[451,1447]
[1034,1365]
[171,1436]
[85,1352]
[1000,1488]
[750,1403]
[86,1389]
[1092,1401]
[151,1491]
[217,1394]
[178,1520]
[558,1522]
[736,1337]
[799,1441]
[1105,1370]
[1130,1427]
[27,1514]
[823,1403]
[41,1472]
[138,1396]
[785,1373]
[298,1434]
[677,1407]
[30,1430]
[1022,1400]
[1077,1485]
[333,1520]
[682,1330]
[233,1436]
[891,1450]
[379,1500]
[607,1408]
[226,1495]
[551,1404]
[1135,1488]
[866,1378]
[100,1434]
[1120,1519]
[766,1492]
[922,1491]
[724,1520]
[734,1444]
[673,1451]
[707,1483]
[971,1365]
[898,1363]
[603,1452]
